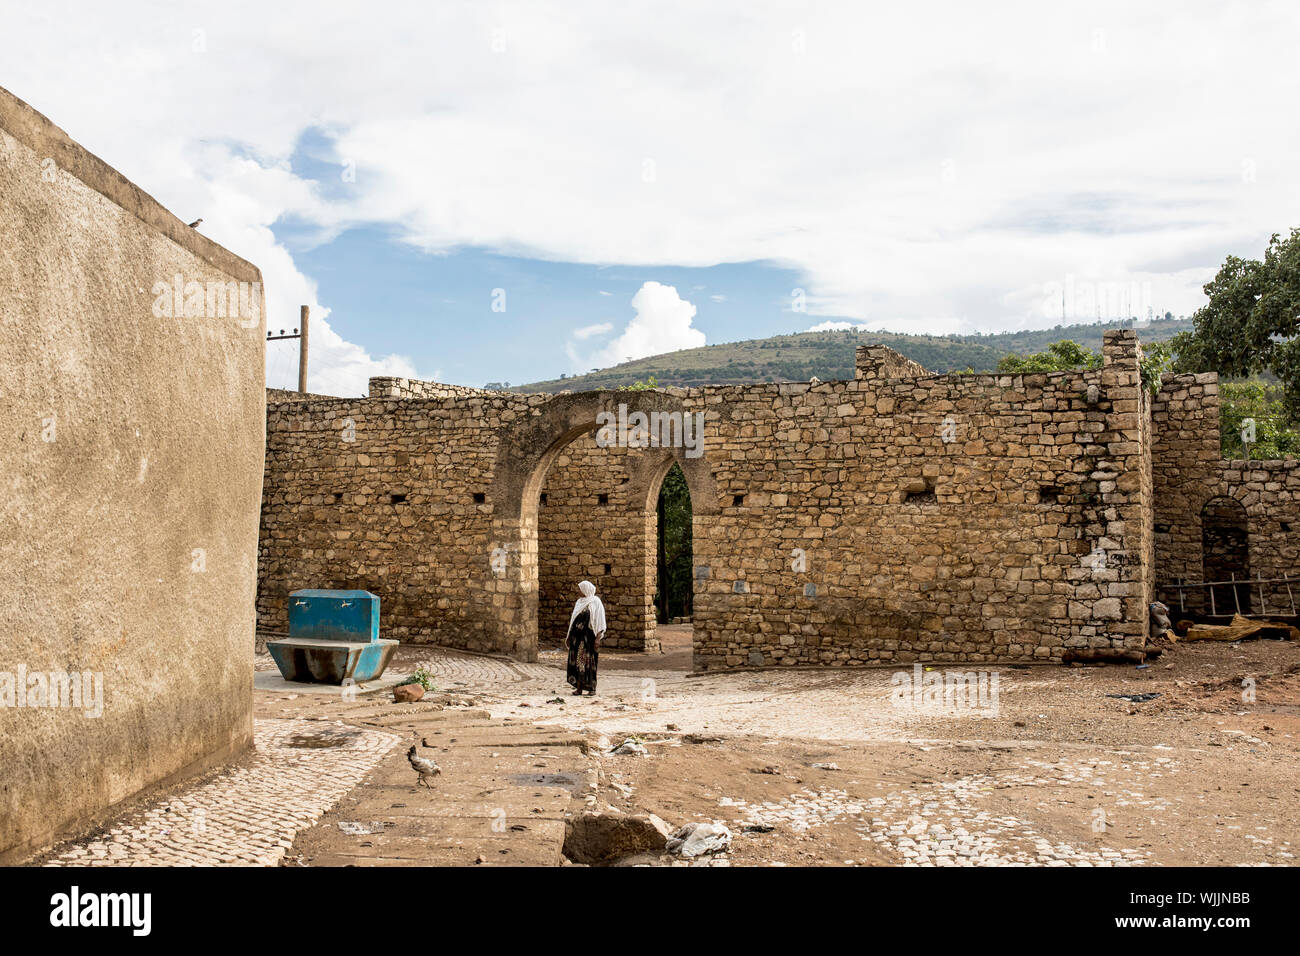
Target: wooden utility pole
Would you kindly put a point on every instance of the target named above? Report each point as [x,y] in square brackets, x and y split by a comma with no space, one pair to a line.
[302,353]
[300,334]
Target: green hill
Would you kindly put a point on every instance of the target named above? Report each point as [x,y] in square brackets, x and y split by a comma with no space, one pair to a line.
[830,355]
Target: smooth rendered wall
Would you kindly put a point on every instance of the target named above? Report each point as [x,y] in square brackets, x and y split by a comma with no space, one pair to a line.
[131,471]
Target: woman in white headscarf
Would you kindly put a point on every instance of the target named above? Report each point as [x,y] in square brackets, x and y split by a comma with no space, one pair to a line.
[586,628]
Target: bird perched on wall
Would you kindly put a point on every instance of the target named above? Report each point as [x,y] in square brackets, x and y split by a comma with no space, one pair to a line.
[423,766]
[196,223]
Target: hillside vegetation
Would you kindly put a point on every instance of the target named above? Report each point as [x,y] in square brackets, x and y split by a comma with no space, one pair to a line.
[830,355]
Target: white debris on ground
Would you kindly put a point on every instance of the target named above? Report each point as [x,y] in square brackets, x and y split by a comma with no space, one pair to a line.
[697,839]
[246,816]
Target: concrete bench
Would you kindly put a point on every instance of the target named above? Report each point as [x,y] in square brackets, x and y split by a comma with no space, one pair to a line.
[333,636]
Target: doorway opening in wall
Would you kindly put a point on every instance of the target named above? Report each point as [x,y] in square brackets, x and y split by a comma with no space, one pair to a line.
[1225,555]
[673,589]
[674,564]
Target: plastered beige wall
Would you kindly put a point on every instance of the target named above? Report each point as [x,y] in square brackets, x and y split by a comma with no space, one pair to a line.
[131,478]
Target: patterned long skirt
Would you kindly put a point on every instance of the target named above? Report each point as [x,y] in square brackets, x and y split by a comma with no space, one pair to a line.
[583,655]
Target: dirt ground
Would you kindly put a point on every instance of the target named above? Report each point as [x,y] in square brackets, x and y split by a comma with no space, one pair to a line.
[1200,774]
[1052,766]
[1058,773]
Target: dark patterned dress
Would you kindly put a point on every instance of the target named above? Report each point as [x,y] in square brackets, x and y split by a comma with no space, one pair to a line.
[582,655]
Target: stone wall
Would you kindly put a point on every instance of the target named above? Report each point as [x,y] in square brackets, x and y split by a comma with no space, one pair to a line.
[594,524]
[1190,475]
[382,387]
[132,479]
[891,518]
[944,518]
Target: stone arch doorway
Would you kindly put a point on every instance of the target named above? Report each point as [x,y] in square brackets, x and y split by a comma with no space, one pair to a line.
[554,483]
[670,497]
[1225,555]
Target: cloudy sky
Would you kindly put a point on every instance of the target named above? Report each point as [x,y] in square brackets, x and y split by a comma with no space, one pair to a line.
[489,191]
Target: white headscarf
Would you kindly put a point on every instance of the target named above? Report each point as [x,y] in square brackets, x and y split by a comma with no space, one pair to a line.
[588,601]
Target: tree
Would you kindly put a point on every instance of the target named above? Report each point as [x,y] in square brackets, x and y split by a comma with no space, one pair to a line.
[1062,356]
[1252,322]
[1256,408]
[645,386]
[1066,356]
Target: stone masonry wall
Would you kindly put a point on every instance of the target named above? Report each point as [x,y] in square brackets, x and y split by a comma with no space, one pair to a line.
[392,495]
[1188,472]
[592,527]
[944,518]
[414,388]
[953,517]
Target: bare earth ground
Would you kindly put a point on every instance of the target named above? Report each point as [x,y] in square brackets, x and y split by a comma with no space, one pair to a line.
[1059,774]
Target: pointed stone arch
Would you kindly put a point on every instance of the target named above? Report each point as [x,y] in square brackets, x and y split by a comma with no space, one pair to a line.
[528,448]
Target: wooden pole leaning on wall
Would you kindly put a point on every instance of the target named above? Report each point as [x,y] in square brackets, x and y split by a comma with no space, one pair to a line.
[302,351]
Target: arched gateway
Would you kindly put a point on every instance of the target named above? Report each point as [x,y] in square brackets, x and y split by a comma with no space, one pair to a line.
[647,432]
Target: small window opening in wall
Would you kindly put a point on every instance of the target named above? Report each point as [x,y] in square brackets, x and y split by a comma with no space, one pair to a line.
[919,492]
[543,497]
[609,568]
[1286,526]
[1050,494]
[480,497]
[1163,528]
[337,496]
[397,499]
[602,499]
[737,500]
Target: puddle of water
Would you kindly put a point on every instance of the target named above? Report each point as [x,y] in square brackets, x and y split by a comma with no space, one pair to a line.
[318,741]
[566,780]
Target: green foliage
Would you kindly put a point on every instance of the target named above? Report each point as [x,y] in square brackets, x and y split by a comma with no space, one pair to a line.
[645,386]
[1157,358]
[1277,434]
[829,356]
[422,677]
[678,563]
[1063,356]
[1252,322]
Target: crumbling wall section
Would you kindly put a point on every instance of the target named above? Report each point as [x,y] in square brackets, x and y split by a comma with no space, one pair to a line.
[389,387]
[1188,473]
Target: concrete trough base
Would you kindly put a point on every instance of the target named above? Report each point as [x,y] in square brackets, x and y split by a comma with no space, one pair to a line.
[321,661]
[272,682]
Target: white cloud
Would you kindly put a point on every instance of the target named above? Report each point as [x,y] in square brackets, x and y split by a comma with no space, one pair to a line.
[603,292]
[587,331]
[973,161]
[662,324]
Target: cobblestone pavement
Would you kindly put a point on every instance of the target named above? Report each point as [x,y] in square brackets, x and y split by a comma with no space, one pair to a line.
[941,826]
[246,815]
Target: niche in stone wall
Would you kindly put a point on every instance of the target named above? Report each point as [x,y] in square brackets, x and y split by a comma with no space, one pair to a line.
[919,492]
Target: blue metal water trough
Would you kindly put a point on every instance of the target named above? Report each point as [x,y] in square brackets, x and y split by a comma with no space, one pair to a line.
[333,636]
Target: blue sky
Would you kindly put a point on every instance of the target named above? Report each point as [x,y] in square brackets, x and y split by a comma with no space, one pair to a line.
[437,309]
